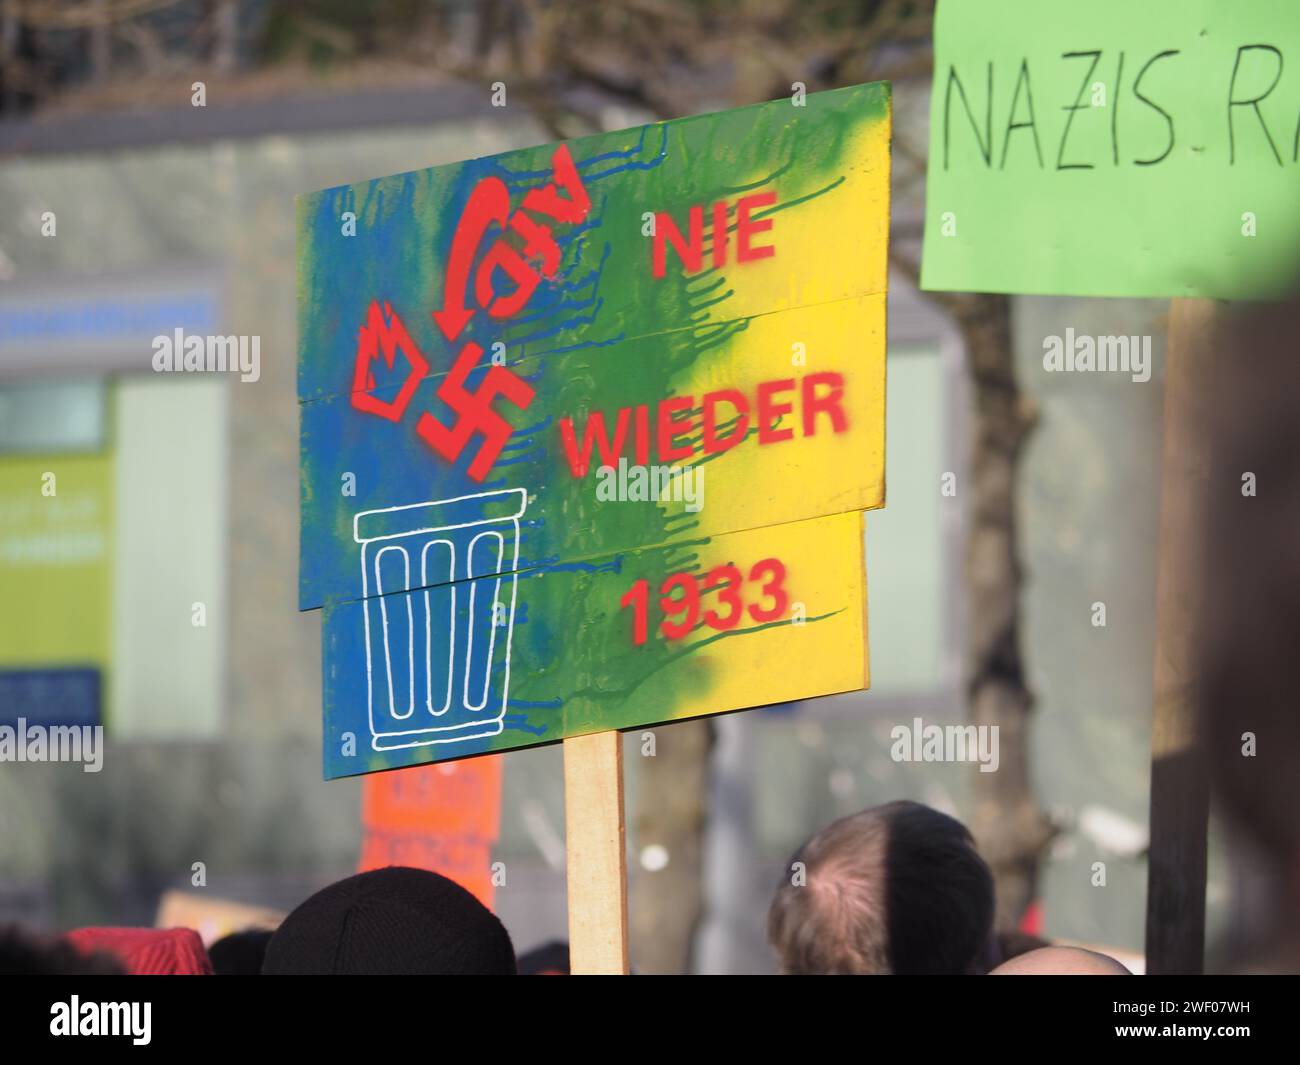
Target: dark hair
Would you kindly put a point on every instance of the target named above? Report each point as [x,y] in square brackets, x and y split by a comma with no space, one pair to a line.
[549,959]
[897,888]
[395,921]
[23,954]
[240,953]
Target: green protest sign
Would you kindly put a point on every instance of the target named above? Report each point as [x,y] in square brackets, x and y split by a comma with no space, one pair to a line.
[1114,148]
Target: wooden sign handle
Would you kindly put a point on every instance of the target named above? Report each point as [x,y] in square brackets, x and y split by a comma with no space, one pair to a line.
[596,863]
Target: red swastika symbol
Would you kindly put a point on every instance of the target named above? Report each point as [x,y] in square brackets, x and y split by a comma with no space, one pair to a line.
[474,411]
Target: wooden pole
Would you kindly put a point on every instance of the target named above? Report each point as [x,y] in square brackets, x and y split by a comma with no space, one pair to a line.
[596,864]
[1180,793]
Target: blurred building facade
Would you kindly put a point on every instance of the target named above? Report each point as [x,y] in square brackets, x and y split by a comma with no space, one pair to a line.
[176,491]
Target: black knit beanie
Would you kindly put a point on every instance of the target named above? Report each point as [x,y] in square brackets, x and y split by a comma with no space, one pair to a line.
[391,921]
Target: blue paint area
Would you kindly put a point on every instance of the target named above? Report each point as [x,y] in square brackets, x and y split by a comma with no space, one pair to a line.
[409,673]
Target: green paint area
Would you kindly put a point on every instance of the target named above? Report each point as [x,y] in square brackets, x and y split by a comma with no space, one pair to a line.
[1115,149]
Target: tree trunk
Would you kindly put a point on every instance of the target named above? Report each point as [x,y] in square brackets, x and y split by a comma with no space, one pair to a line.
[672,796]
[1010,828]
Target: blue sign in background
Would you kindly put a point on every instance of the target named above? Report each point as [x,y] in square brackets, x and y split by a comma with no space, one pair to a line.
[49,697]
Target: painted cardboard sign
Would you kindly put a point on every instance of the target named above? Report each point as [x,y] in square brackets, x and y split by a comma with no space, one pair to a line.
[1114,148]
[211,917]
[525,377]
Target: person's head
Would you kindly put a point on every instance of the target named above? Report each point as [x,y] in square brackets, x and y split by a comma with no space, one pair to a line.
[1061,961]
[25,954]
[147,951]
[549,959]
[240,953]
[897,888]
[391,921]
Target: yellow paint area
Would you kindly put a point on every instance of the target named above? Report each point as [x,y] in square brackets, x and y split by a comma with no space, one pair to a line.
[817,469]
[817,647]
[829,235]
[827,653]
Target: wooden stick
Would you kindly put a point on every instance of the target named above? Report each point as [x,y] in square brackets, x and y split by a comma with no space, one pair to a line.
[595,832]
[1180,794]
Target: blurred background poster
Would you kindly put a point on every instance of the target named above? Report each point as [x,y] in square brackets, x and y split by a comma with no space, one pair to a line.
[443,817]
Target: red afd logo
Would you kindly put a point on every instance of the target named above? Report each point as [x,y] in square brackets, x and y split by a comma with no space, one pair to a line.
[563,200]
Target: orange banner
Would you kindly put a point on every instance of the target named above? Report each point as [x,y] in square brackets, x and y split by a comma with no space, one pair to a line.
[444,817]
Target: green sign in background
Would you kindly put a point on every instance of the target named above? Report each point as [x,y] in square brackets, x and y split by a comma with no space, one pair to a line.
[55,561]
[1115,148]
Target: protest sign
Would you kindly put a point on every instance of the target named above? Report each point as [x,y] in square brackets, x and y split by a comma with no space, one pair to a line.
[1114,148]
[586,435]
[584,425]
[211,917]
[1140,150]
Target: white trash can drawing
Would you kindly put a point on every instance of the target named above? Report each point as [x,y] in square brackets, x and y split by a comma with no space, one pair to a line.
[438,648]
